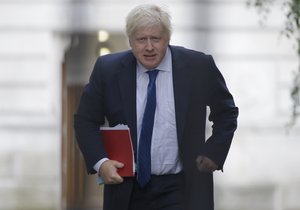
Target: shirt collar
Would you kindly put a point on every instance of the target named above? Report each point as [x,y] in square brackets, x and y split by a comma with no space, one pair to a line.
[165,64]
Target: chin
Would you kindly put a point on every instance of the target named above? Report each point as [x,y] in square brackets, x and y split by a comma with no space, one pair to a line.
[152,65]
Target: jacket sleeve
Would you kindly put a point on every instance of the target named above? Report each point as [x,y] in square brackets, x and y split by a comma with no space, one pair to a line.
[223,114]
[88,118]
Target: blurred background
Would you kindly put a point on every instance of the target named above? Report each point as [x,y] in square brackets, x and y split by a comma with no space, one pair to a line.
[47,51]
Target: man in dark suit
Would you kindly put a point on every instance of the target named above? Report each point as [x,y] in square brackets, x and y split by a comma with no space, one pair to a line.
[166,112]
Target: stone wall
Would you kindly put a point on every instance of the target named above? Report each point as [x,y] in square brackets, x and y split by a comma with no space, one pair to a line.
[31,54]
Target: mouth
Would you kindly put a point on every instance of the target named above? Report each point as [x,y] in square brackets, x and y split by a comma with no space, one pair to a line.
[150,56]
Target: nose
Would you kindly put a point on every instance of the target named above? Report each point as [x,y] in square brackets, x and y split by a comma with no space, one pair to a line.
[149,45]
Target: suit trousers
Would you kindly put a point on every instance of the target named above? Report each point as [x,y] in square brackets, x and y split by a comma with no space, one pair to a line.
[163,192]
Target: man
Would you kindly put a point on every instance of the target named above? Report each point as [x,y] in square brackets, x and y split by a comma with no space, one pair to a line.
[176,85]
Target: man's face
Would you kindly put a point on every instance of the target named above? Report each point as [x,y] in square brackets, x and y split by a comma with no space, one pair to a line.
[149,45]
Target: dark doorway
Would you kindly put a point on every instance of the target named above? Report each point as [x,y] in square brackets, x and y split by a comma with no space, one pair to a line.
[79,190]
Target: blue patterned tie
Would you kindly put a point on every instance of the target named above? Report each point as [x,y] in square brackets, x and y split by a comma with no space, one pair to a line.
[144,151]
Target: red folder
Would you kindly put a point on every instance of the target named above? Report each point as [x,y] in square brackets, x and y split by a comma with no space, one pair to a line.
[118,146]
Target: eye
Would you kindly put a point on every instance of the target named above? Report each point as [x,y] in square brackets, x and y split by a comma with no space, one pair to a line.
[141,39]
[155,39]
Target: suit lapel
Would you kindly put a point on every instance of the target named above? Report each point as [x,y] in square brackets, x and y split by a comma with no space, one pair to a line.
[181,91]
[127,85]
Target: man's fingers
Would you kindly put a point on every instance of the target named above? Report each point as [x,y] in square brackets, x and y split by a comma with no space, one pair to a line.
[118,164]
[109,172]
[204,164]
[114,179]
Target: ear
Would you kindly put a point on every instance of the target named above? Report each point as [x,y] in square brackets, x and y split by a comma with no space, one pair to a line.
[129,42]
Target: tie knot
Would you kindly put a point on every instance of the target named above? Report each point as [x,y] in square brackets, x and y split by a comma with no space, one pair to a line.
[152,74]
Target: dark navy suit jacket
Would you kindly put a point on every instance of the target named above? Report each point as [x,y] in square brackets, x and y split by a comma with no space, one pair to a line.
[198,84]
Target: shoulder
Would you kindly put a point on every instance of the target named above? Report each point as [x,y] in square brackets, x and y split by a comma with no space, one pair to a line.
[112,63]
[186,53]
[190,56]
[108,66]
[115,58]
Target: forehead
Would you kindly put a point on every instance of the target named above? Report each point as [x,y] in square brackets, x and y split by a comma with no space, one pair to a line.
[148,30]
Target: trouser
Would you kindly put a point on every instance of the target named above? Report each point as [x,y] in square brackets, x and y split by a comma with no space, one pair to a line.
[163,192]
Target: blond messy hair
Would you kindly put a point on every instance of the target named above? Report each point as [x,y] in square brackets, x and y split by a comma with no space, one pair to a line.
[148,15]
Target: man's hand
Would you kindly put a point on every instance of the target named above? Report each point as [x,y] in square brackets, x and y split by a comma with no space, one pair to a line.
[108,172]
[204,164]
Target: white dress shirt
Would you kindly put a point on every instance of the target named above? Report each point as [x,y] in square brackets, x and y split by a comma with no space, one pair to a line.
[164,147]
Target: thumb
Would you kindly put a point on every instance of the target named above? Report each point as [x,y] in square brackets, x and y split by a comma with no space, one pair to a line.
[199,162]
[199,159]
[118,164]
